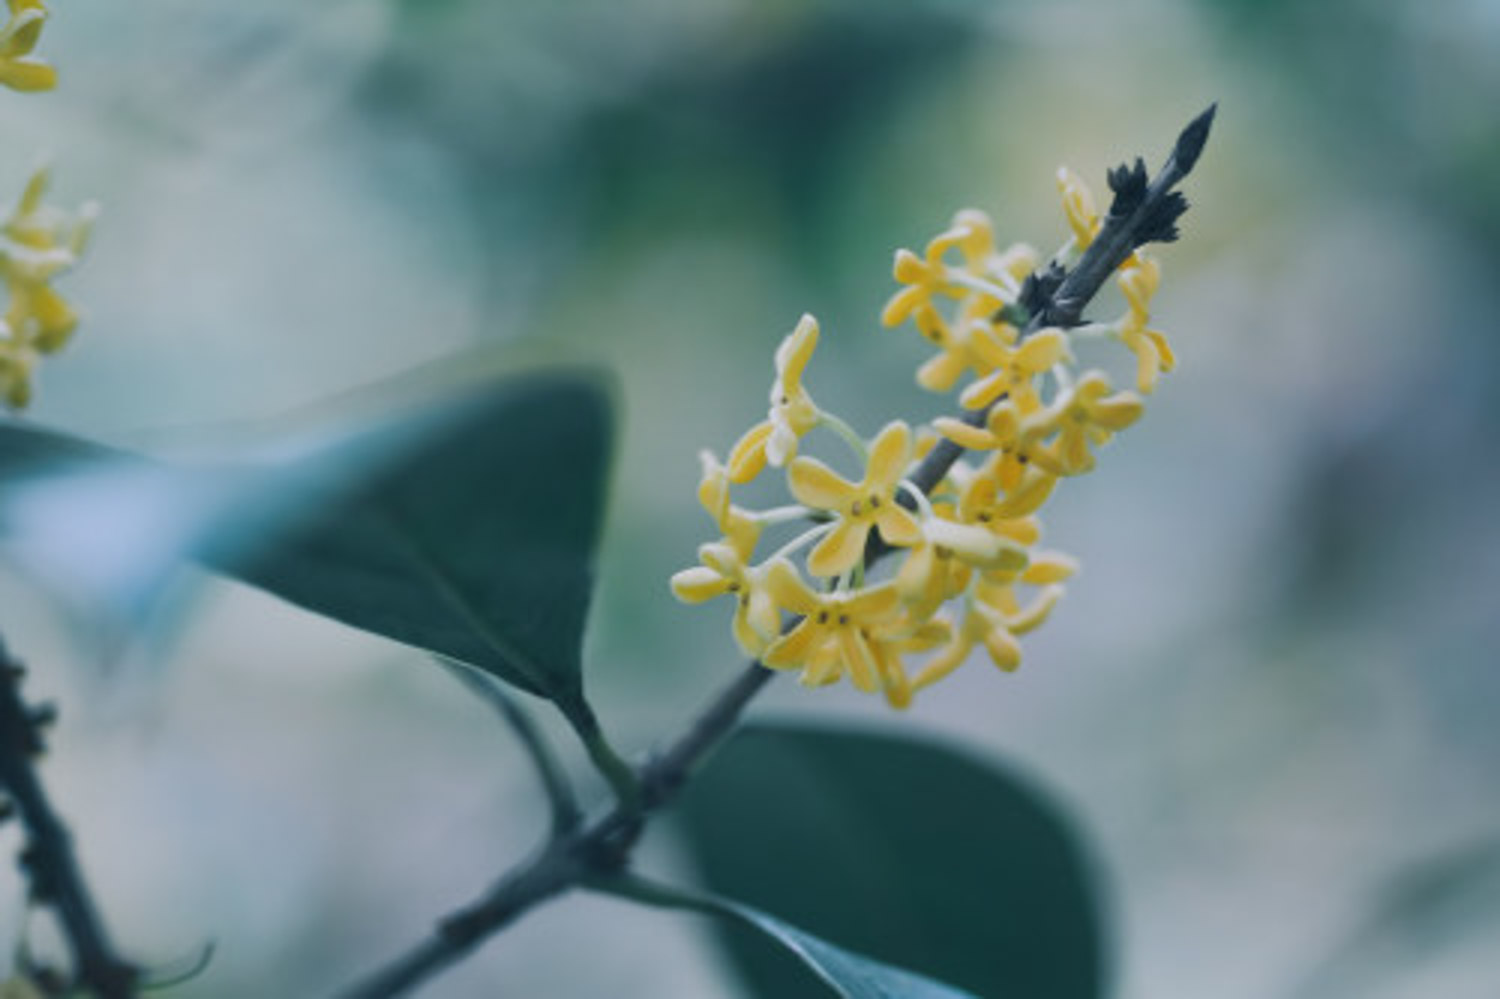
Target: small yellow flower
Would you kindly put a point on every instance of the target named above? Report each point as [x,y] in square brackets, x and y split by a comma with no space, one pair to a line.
[1078,205]
[928,576]
[971,233]
[19,69]
[860,507]
[983,503]
[972,343]
[1138,281]
[757,618]
[859,633]
[1016,371]
[994,617]
[1001,434]
[982,625]
[1086,414]
[923,278]
[738,527]
[37,244]
[793,413]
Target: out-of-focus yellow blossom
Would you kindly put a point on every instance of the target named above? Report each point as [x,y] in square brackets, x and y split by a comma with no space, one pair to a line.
[1001,433]
[860,507]
[38,243]
[928,576]
[858,633]
[793,413]
[924,277]
[757,618]
[987,279]
[19,69]
[1086,414]
[1015,374]
[981,625]
[973,343]
[1078,205]
[1138,281]
[739,528]
[982,501]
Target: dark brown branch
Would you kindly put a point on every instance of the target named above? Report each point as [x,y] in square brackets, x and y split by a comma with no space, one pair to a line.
[603,845]
[47,859]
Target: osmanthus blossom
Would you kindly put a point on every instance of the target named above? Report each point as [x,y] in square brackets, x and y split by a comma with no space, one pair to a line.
[988,279]
[860,507]
[793,412]
[724,569]
[974,342]
[1138,280]
[971,574]
[1090,412]
[1015,374]
[38,243]
[938,567]
[1000,433]
[861,634]
[740,528]
[19,69]
[993,619]
[1078,206]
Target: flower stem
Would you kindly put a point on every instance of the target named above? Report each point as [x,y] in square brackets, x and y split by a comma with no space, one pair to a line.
[855,441]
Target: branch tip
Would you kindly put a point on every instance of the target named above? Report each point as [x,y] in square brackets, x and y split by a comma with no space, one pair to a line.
[1192,140]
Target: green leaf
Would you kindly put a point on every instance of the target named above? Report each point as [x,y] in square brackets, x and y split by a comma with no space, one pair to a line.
[848,974]
[900,848]
[463,521]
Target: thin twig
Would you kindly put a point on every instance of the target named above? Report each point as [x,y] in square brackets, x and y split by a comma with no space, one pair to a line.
[565,811]
[602,846]
[47,860]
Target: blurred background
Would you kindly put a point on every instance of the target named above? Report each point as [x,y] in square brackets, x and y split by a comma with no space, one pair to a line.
[1269,699]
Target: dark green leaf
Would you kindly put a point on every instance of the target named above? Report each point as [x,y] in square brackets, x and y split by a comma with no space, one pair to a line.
[898,848]
[462,521]
[850,975]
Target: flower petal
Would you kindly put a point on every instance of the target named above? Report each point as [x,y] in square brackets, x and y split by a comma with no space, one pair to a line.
[1049,567]
[791,650]
[816,485]
[889,455]
[985,391]
[1118,411]
[901,305]
[898,526]
[748,456]
[940,372]
[840,550]
[1042,351]
[794,353]
[785,585]
[700,583]
[858,659]
[945,662]
[965,435]
[1034,616]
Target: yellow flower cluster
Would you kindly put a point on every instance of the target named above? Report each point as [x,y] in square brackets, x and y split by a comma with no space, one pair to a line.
[38,243]
[19,69]
[971,574]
